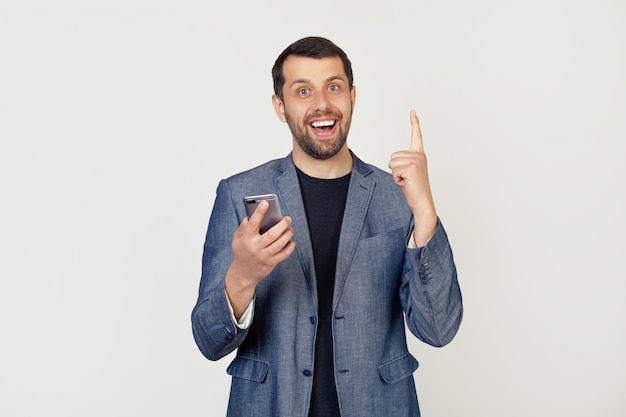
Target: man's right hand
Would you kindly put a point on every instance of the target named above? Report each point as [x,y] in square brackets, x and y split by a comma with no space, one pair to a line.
[255,256]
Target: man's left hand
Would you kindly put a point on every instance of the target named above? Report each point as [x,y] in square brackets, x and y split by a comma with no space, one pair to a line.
[410,171]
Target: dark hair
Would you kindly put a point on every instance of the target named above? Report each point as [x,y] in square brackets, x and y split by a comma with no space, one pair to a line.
[310,47]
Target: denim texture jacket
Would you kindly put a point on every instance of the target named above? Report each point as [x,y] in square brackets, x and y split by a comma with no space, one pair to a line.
[380,285]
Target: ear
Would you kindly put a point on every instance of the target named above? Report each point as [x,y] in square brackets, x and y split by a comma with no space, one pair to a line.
[353,95]
[279,107]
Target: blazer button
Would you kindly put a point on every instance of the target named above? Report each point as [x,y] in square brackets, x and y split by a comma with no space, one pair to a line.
[229,338]
[312,319]
[307,372]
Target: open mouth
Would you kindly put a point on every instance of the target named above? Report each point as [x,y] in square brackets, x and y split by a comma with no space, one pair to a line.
[323,125]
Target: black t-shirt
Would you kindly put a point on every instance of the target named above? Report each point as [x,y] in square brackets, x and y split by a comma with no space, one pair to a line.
[324,203]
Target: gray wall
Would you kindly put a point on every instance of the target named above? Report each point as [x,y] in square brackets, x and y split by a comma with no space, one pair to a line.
[118,120]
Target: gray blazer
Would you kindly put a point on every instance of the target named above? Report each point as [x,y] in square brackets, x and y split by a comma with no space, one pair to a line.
[379,283]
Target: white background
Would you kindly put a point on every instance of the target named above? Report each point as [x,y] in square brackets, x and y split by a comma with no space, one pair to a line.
[118,118]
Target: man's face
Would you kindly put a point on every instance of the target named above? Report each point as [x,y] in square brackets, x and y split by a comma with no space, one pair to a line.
[317,104]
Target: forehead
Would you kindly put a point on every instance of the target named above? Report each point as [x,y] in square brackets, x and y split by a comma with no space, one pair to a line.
[299,68]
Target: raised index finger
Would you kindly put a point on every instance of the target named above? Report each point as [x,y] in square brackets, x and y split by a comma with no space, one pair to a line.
[416,134]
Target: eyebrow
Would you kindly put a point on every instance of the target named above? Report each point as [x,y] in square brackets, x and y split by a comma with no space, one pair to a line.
[307,81]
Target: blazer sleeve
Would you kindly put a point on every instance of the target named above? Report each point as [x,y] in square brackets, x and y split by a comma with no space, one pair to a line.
[213,326]
[430,292]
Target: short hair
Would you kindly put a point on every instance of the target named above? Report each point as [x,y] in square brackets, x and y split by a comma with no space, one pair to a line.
[310,47]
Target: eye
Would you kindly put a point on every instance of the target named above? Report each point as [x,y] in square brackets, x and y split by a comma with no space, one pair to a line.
[303,91]
[333,87]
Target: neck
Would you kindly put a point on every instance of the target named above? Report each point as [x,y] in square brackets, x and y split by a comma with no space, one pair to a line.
[334,167]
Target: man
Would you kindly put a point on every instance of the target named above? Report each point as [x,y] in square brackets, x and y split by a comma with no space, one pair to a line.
[316,305]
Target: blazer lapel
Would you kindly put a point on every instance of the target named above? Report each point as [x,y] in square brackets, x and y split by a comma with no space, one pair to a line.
[359,195]
[291,202]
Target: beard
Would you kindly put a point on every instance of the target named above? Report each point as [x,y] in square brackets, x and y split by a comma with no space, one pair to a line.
[315,149]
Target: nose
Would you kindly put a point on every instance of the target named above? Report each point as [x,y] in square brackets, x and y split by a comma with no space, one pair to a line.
[321,102]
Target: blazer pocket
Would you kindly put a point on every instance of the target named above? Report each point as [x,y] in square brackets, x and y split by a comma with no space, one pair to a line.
[248,369]
[392,236]
[398,369]
[381,250]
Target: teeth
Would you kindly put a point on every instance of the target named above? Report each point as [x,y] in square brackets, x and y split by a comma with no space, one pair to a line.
[323,123]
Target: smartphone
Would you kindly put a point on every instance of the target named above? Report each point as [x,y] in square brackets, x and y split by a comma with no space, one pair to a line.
[273,214]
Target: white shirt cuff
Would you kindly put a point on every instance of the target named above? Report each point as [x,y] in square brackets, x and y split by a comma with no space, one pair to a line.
[246,318]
